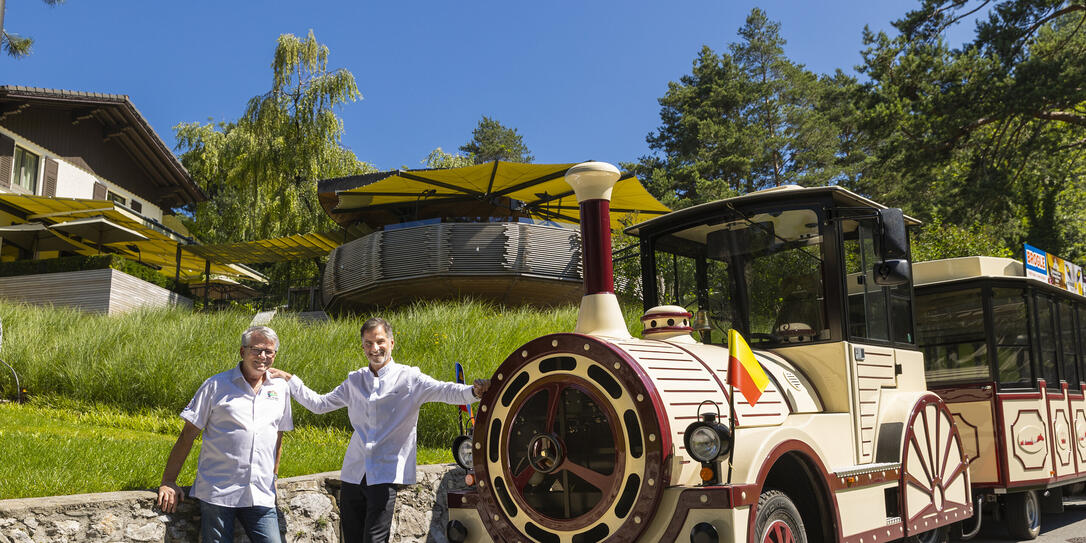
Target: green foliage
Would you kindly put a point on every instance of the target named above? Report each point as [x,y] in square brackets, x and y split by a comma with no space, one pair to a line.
[749,120]
[491,140]
[15,45]
[991,133]
[261,170]
[937,240]
[440,159]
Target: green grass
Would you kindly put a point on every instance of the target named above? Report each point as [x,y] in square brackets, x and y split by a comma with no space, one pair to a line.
[153,361]
[49,451]
[106,390]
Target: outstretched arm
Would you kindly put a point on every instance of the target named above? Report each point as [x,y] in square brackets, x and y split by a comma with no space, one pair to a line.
[317,403]
[169,494]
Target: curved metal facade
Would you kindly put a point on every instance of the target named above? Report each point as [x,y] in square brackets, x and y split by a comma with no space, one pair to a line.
[509,263]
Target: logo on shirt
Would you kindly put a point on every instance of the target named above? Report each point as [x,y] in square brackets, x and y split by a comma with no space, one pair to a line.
[273,395]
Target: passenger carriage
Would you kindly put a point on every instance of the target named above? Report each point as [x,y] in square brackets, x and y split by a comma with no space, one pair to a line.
[1007,354]
[583,436]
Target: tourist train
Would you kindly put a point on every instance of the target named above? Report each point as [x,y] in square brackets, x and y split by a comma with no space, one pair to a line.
[595,435]
[1007,354]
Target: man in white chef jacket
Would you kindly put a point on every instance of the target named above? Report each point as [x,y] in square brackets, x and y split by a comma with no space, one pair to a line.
[382,402]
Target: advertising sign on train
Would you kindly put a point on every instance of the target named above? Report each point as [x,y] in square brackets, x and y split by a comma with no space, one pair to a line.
[1053,269]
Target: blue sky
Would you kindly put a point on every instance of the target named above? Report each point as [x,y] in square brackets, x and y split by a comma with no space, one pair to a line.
[578,79]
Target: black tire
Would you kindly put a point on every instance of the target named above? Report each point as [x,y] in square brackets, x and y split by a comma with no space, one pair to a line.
[1023,515]
[778,519]
[938,535]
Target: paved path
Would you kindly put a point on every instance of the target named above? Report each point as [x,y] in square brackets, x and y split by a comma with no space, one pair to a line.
[1066,527]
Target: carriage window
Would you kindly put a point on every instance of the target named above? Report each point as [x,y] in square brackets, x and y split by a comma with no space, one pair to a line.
[1048,341]
[1081,314]
[1069,360]
[1012,343]
[950,325]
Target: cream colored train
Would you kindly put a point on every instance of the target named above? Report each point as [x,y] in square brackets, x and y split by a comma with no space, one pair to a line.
[1007,354]
[594,435]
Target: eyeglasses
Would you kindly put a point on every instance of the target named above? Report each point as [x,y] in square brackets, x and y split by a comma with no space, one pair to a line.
[258,351]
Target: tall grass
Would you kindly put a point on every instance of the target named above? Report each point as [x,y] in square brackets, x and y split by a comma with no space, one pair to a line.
[153,361]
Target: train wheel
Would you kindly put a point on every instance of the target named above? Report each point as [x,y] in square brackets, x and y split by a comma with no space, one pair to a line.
[1023,514]
[938,535]
[778,519]
[934,472]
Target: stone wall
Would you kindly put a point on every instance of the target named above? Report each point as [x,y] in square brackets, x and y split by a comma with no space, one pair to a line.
[309,512]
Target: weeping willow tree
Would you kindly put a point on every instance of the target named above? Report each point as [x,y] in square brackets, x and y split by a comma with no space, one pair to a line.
[261,170]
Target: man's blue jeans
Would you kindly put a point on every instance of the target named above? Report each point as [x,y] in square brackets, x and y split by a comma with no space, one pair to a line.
[261,524]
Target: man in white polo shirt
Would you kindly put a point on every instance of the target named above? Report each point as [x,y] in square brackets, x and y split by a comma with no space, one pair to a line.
[383,402]
[242,413]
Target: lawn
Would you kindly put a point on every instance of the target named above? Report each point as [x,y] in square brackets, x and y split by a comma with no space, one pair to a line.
[105,390]
[48,451]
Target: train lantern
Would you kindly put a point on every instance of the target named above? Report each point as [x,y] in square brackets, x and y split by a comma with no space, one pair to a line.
[596,436]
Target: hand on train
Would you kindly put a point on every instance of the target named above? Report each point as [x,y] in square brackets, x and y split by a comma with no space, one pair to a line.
[479,387]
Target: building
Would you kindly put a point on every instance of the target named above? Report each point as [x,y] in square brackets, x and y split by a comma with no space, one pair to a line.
[67,155]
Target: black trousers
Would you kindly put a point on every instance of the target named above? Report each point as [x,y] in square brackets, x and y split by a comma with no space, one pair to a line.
[365,511]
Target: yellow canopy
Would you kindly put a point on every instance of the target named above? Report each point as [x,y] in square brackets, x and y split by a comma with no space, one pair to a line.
[312,245]
[541,187]
[160,248]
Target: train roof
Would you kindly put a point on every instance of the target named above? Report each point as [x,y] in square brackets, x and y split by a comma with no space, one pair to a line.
[784,193]
[966,267]
[951,270]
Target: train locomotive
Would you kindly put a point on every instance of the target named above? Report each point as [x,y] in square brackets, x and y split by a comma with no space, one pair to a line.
[596,435]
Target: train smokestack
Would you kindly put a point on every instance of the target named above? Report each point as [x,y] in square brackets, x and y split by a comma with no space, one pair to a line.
[600,314]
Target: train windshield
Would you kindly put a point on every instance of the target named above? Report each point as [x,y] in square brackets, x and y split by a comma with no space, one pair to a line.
[758,272]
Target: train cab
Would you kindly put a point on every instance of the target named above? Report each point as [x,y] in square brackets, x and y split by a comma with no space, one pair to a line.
[595,435]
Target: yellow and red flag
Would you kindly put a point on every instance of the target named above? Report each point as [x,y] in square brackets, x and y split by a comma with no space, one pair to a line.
[744,372]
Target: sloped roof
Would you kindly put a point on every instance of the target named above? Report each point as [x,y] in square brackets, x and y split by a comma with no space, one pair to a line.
[127,127]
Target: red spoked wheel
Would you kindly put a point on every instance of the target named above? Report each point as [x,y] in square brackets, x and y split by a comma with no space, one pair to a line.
[934,470]
[778,520]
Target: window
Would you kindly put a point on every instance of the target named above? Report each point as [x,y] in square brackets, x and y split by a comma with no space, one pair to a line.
[951,329]
[1011,329]
[1048,341]
[874,312]
[136,206]
[1069,358]
[115,197]
[26,170]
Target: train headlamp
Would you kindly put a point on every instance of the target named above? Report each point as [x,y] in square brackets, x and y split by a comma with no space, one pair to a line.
[707,440]
[461,450]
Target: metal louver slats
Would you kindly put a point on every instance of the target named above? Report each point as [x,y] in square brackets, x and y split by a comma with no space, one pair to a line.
[477,248]
[351,265]
[552,251]
[399,264]
[412,252]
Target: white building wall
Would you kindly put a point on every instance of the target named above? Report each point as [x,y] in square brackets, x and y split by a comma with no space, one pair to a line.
[75,182]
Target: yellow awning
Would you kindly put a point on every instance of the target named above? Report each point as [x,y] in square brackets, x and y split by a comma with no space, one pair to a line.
[541,187]
[160,248]
[282,249]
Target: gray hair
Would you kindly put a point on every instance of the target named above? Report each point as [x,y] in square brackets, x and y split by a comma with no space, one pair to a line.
[247,335]
[376,322]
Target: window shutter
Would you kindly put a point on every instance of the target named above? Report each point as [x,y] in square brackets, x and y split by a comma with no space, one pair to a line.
[7,154]
[50,189]
[99,191]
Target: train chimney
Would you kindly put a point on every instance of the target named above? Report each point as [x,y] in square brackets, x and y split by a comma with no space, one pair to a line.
[600,314]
